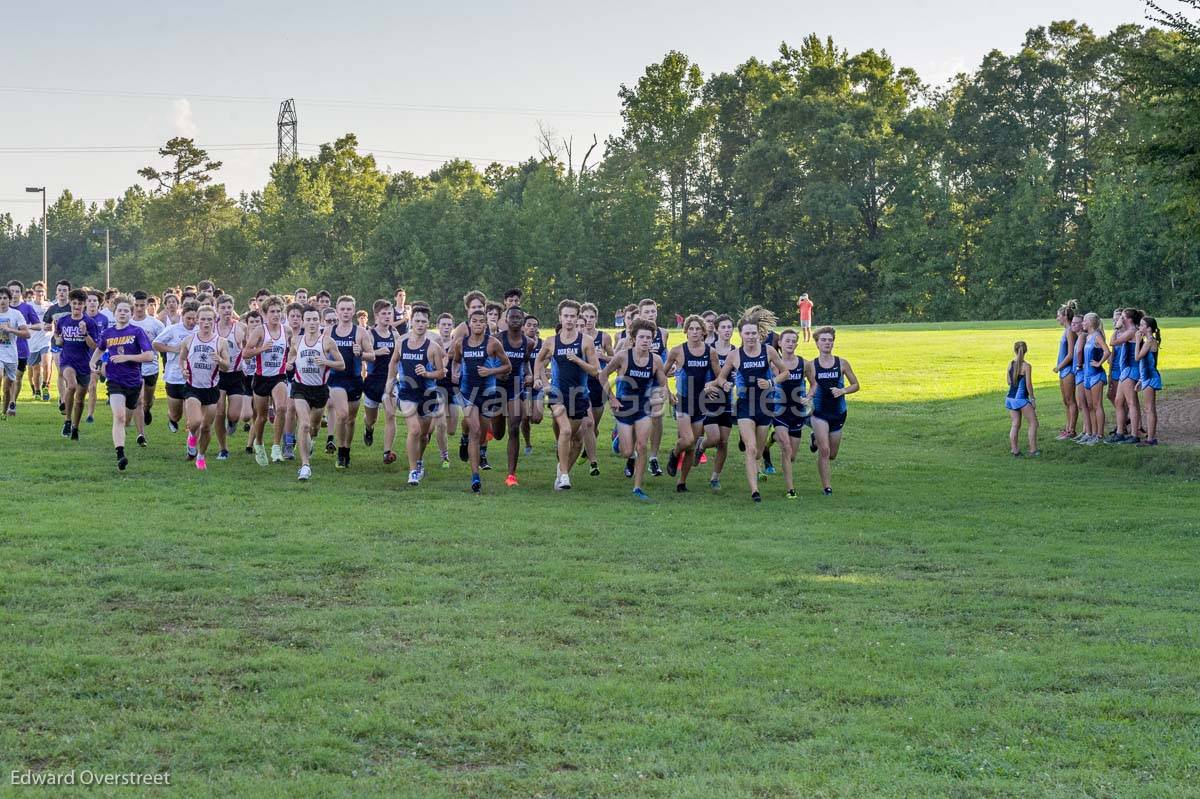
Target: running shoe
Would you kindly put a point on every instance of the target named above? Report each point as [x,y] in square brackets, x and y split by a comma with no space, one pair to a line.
[141,441]
[289,451]
[304,473]
[673,464]
[528,450]
[769,469]
[476,484]
[191,446]
[681,488]
[812,442]
[230,428]
[791,494]
[563,483]
[341,462]
[1091,441]
[1037,453]
[62,407]
[122,462]
[829,492]
[1148,442]
[511,481]
[66,429]
[655,469]
[594,469]
[414,478]
[89,420]
[639,494]
[12,409]
[172,427]
[483,461]
[223,455]
[420,469]
[1016,454]
[368,436]
[276,453]
[1064,435]
[260,455]
[757,497]
[703,459]
[629,466]
[45,395]
[1113,438]
[249,450]
[445,461]
[1128,440]
[389,458]
[74,433]
[201,464]
[330,447]
[715,484]
[148,416]
[463,443]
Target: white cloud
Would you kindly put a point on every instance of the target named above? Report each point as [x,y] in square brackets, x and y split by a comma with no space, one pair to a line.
[185,125]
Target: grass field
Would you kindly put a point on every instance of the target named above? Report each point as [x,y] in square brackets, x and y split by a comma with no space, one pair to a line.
[952,622]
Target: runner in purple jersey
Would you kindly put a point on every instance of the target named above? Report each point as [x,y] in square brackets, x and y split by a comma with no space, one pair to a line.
[127,348]
[77,335]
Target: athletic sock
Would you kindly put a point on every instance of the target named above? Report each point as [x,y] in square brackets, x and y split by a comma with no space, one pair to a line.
[120,452]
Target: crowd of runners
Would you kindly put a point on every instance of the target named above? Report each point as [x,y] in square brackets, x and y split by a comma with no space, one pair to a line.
[1122,369]
[301,363]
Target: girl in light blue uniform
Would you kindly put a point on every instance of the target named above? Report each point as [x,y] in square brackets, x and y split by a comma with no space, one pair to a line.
[1149,380]
[1066,367]
[1077,368]
[1020,402]
[1130,422]
[1095,354]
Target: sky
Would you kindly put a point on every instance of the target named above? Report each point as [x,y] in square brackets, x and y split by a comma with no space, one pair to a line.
[89,91]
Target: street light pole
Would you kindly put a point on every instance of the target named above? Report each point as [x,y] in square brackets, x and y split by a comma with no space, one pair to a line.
[45,275]
[107,263]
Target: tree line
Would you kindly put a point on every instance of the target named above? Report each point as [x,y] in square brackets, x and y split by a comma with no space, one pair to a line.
[1068,168]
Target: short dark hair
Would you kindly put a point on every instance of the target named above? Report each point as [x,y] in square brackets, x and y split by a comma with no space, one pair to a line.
[140,295]
[64,282]
[513,293]
[76,294]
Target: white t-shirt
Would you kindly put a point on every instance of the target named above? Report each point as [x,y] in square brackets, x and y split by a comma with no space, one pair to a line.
[172,336]
[8,341]
[39,339]
[152,328]
[109,315]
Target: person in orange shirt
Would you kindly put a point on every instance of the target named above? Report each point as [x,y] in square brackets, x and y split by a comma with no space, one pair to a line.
[804,307]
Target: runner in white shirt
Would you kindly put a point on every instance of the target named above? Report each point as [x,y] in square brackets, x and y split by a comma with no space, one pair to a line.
[142,318]
[168,341]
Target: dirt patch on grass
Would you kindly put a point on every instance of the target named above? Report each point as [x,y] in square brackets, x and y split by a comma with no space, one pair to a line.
[1179,416]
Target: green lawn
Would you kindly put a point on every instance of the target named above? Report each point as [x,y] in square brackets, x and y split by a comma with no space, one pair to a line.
[952,622]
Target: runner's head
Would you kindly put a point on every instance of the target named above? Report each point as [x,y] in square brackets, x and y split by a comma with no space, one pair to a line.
[110,298]
[695,329]
[531,326]
[123,308]
[642,332]
[474,301]
[477,322]
[445,325]
[324,300]
[648,310]
[253,321]
[1092,323]
[39,291]
[382,310]
[493,311]
[568,314]
[16,289]
[631,313]
[92,304]
[5,298]
[225,307]
[749,331]
[512,298]
[588,313]
[152,303]
[295,315]
[328,316]
[710,322]
[1133,317]
[310,318]
[141,301]
[345,309]
[206,317]
[401,297]
[418,320]
[62,292]
[724,327]
[1077,323]
[788,341]
[1149,327]
[171,303]
[272,310]
[300,295]
[514,318]
[78,299]
[1067,311]
[824,337]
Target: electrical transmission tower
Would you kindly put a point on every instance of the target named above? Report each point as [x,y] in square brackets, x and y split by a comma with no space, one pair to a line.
[286,125]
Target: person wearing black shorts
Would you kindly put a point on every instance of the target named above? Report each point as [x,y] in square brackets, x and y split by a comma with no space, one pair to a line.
[128,348]
[832,379]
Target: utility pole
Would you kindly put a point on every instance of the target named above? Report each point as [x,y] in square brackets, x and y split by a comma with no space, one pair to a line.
[45,277]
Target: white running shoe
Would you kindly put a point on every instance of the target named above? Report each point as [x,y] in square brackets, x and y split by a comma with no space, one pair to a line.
[260,454]
[563,483]
[304,473]
[414,477]
[276,453]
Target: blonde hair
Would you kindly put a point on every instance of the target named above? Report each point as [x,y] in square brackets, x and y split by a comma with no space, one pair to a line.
[760,317]
[1018,364]
[1095,320]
